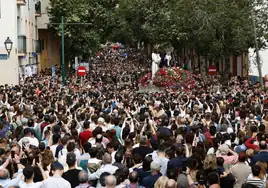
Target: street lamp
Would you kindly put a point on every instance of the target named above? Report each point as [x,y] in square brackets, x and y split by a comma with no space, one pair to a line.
[8,44]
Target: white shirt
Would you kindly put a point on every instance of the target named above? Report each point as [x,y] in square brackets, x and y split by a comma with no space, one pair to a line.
[92,141]
[62,153]
[94,160]
[113,156]
[63,157]
[85,156]
[56,182]
[154,155]
[163,161]
[211,151]
[53,149]
[106,168]
[93,126]
[104,128]
[22,184]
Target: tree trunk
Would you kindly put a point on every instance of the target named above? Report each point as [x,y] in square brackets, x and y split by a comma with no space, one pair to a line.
[145,47]
[149,49]
[199,63]
[227,64]
[206,59]
[227,67]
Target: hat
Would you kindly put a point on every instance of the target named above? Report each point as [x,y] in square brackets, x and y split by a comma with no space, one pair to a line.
[224,149]
[57,166]
[71,158]
[155,166]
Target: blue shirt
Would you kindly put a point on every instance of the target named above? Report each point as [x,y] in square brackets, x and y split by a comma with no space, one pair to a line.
[4,131]
[261,156]
[150,180]
[142,174]
[118,132]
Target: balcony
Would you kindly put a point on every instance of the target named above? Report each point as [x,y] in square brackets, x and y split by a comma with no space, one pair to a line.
[38,9]
[22,45]
[37,46]
[21,2]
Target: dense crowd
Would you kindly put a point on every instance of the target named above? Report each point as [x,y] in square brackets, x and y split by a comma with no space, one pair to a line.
[100,134]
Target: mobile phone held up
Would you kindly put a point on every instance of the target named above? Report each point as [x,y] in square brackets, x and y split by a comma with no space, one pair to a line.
[13,154]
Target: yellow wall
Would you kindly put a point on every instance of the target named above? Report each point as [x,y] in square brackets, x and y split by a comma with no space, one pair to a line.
[50,50]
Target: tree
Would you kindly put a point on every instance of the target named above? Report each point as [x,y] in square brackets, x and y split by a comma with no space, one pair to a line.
[214,29]
[81,40]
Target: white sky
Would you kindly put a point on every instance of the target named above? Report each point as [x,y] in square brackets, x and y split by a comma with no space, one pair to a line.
[264,60]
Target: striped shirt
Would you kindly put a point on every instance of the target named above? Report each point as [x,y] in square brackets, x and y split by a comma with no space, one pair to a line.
[257,182]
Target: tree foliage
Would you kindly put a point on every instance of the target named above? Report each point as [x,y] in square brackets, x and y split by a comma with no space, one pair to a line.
[93,18]
[212,28]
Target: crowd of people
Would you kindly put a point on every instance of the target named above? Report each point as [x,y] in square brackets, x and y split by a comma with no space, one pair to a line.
[100,134]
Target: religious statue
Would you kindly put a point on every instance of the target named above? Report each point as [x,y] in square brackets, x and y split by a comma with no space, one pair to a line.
[168,58]
[156,59]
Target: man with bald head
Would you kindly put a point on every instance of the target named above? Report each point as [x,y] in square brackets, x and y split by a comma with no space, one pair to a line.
[107,167]
[83,180]
[171,183]
[110,181]
[133,179]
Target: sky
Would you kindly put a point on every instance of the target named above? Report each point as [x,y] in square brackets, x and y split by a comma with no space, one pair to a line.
[264,60]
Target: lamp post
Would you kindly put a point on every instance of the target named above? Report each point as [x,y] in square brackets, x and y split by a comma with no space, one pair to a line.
[8,44]
[62,24]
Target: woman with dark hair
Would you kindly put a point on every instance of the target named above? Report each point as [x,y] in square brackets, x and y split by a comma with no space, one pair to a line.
[216,143]
[145,170]
[256,180]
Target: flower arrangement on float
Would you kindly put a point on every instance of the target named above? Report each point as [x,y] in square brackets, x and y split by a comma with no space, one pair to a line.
[173,78]
[145,80]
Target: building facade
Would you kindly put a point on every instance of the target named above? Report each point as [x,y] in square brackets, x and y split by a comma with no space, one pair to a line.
[238,65]
[18,21]
[50,44]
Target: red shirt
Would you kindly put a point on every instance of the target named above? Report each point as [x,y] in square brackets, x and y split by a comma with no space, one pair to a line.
[84,136]
[209,137]
[250,145]
[43,125]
